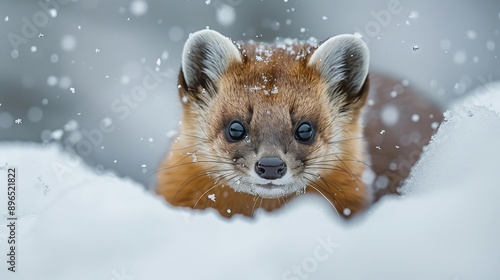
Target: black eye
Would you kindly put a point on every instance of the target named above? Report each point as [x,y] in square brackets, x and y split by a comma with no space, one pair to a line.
[236,131]
[304,133]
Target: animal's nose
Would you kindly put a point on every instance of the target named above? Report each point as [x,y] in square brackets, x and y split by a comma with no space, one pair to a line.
[270,168]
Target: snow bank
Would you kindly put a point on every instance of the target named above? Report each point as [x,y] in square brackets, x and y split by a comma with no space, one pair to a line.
[78,224]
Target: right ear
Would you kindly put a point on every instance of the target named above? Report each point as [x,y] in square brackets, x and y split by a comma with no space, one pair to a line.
[343,62]
[206,57]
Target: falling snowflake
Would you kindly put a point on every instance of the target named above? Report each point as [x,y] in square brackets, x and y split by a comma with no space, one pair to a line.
[138,7]
[57,134]
[184,99]
[53,13]
[72,89]
[18,121]
[413,15]
[211,197]
[164,55]
[347,211]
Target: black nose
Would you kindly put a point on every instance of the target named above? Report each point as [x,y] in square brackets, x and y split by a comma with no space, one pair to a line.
[270,168]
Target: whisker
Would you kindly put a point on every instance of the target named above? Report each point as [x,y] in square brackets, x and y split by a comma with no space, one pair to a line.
[261,200]
[193,162]
[256,198]
[185,147]
[194,137]
[216,181]
[326,187]
[337,186]
[194,177]
[201,127]
[332,168]
[333,206]
[203,194]
[347,139]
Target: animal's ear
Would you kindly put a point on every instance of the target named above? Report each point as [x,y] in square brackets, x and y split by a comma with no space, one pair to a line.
[205,58]
[343,62]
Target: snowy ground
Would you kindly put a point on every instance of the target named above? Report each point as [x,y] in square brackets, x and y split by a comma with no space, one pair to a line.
[77,224]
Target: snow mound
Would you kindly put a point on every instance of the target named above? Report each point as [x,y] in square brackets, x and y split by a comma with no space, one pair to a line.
[487,95]
[76,223]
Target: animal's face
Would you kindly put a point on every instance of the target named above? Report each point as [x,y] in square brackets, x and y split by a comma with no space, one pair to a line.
[271,120]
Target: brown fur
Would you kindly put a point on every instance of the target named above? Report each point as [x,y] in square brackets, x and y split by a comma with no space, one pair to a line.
[197,164]
[398,148]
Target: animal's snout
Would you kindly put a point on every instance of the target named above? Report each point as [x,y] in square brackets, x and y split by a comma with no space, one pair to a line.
[270,168]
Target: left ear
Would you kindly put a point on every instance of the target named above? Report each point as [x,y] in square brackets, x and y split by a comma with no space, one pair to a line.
[343,62]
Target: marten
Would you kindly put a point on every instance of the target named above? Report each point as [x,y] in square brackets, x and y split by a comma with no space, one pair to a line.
[263,123]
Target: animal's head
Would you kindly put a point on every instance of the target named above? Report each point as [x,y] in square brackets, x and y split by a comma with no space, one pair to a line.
[269,118]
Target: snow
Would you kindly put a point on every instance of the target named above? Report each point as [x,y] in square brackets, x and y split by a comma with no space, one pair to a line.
[390,115]
[53,13]
[79,223]
[68,42]
[52,80]
[413,15]
[138,7]
[225,14]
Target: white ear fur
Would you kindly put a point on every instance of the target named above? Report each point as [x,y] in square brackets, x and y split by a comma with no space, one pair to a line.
[206,55]
[343,61]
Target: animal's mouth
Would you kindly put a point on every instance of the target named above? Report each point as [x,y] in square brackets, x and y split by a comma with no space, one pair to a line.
[269,185]
[267,188]
[270,190]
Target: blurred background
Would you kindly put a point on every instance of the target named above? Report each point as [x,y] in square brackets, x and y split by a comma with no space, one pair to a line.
[99,77]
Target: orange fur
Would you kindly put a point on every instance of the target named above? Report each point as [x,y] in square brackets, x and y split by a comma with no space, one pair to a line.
[186,183]
[201,165]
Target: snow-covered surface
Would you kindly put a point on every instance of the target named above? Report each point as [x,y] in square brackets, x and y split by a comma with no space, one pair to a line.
[77,224]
